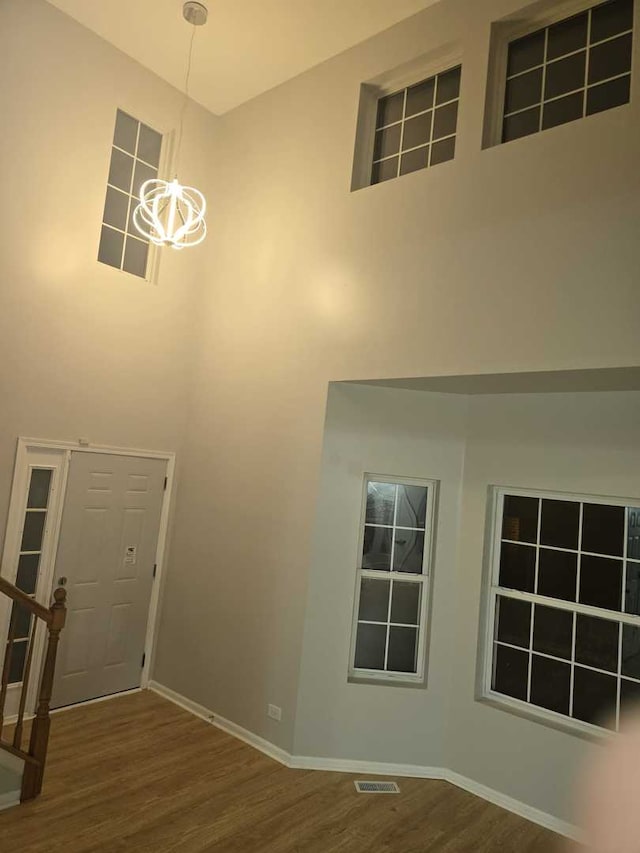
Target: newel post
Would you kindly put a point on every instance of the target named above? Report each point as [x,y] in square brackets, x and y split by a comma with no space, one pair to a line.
[33,773]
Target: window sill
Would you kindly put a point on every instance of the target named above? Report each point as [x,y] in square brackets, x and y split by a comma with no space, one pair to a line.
[387,681]
[586,731]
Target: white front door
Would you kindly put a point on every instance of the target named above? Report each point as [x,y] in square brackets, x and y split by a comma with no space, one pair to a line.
[105,558]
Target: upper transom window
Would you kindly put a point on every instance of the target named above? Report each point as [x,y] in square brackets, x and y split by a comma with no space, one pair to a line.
[135,158]
[571,69]
[416,127]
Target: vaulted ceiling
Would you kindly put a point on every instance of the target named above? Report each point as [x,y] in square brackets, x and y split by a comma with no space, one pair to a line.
[247,46]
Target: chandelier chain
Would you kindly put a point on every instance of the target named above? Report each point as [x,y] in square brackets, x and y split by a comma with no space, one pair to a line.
[185,100]
[170,214]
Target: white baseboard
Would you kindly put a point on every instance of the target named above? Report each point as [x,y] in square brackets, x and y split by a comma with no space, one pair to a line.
[11,762]
[7,801]
[555,824]
[182,701]
[231,728]
[95,701]
[373,768]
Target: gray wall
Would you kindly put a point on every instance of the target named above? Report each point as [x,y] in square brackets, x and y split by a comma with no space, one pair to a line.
[378,431]
[579,443]
[520,257]
[85,350]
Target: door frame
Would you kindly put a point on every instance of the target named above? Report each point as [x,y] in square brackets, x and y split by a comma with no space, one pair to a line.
[57,455]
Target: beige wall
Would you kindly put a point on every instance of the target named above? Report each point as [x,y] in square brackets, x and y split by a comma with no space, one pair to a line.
[85,350]
[521,257]
[517,258]
[385,432]
[578,443]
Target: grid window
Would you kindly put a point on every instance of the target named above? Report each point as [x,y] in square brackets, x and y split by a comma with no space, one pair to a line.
[565,605]
[569,70]
[33,532]
[391,587]
[416,127]
[135,158]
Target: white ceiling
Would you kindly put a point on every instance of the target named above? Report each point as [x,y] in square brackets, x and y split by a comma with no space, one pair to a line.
[247,46]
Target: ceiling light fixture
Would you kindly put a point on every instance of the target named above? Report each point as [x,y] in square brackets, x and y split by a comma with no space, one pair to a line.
[170,214]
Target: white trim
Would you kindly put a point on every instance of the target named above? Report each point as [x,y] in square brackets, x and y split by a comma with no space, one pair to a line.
[10,799]
[26,447]
[95,701]
[438,61]
[265,746]
[153,623]
[29,457]
[555,824]
[166,167]
[375,768]
[491,591]
[541,15]
[423,580]
[16,766]
[222,723]
[85,446]
[9,761]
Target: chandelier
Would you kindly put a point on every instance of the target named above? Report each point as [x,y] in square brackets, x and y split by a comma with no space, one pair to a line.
[168,213]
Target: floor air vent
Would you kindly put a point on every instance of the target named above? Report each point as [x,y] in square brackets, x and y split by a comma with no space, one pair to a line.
[377,787]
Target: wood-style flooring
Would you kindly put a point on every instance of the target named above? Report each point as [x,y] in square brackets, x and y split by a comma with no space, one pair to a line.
[137,773]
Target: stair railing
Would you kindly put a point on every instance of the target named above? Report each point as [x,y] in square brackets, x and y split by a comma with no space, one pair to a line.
[35,756]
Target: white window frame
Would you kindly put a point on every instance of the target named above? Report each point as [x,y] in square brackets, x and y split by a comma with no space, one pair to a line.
[44,453]
[492,590]
[516,26]
[422,68]
[359,675]
[166,167]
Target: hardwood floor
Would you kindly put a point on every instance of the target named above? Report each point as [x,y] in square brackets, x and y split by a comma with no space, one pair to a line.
[137,773]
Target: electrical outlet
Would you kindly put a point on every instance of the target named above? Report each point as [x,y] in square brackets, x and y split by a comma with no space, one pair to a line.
[274,712]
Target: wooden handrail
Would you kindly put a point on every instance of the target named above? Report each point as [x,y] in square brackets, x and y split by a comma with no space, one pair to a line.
[25,600]
[35,756]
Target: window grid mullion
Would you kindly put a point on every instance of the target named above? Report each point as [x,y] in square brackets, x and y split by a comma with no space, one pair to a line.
[382,671]
[549,656]
[425,145]
[393,545]
[570,606]
[393,527]
[579,553]
[619,678]
[570,53]
[433,120]
[381,574]
[413,115]
[566,550]
[544,77]
[132,199]
[610,100]
[404,113]
[575,607]
[573,661]
[586,63]
[130,193]
[625,553]
[533,606]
